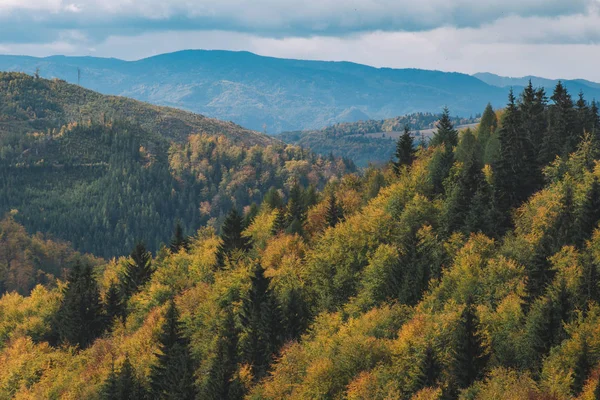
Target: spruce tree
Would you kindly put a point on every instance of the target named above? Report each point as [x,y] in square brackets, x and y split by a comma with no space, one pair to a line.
[80,318]
[172,376]
[487,125]
[532,107]
[513,171]
[470,356]
[138,270]
[273,199]
[113,303]
[280,223]
[405,151]
[124,385]
[430,370]
[334,213]
[179,241]
[220,383]
[562,136]
[232,237]
[250,215]
[295,206]
[295,313]
[447,136]
[261,325]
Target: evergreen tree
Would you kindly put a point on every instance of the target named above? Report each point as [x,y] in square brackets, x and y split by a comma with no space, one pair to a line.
[280,223]
[273,199]
[80,318]
[562,136]
[470,356]
[172,376]
[405,151]
[532,108]
[597,391]
[220,383]
[513,171]
[430,369]
[334,212]
[447,136]
[232,237]
[138,270]
[296,314]
[179,241]
[487,125]
[113,303]
[261,325]
[295,206]
[124,385]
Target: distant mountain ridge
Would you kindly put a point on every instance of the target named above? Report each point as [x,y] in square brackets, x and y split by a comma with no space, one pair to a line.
[589,88]
[270,94]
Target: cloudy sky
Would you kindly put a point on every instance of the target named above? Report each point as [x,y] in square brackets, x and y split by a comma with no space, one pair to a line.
[551,38]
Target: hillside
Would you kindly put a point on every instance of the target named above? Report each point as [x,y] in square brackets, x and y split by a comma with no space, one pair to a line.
[469,271]
[370,141]
[269,93]
[103,172]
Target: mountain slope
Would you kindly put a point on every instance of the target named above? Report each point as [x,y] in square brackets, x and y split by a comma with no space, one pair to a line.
[103,172]
[269,93]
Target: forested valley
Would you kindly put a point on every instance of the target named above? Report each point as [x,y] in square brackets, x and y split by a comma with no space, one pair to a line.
[467,268]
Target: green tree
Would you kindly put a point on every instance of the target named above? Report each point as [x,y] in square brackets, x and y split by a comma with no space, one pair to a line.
[138,270]
[582,368]
[179,241]
[80,318]
[470,359]
[172,375]
[232,237]
[113,303]
[334,212]
[123,385]
[405,150]
[445,136]
[487,125]
[561,137]
[261,324]
[220,383]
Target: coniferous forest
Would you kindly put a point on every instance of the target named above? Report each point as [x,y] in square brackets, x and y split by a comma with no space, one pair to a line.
[467,268]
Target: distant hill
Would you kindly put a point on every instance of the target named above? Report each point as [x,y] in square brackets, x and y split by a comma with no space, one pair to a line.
[371,141]
[103,172]
[590,89]
[264,93]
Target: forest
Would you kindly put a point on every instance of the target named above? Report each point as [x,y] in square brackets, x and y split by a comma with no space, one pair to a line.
[106,178]
[367,142]
[467,268]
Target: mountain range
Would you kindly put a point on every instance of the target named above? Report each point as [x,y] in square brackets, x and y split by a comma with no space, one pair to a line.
[270,94]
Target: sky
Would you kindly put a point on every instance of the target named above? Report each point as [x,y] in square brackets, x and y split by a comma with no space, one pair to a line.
[549,38]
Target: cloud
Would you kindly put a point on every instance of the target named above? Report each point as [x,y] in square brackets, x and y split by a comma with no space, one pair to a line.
[274,18]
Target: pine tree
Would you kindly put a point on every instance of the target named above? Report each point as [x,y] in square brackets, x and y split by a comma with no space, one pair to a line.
[138,270]
[513,171]
[261,325]
[334,212]
[179,241]
[295,206]
[232,237]
[250,215]
[296,314]
[273,199]
[487,125]
[113,303]
[561,137]
[447,136]
[172,376]
[280,223]
[532,107]
[405,151]
[124,385]
[220,383]
[470,356]
[80,318]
